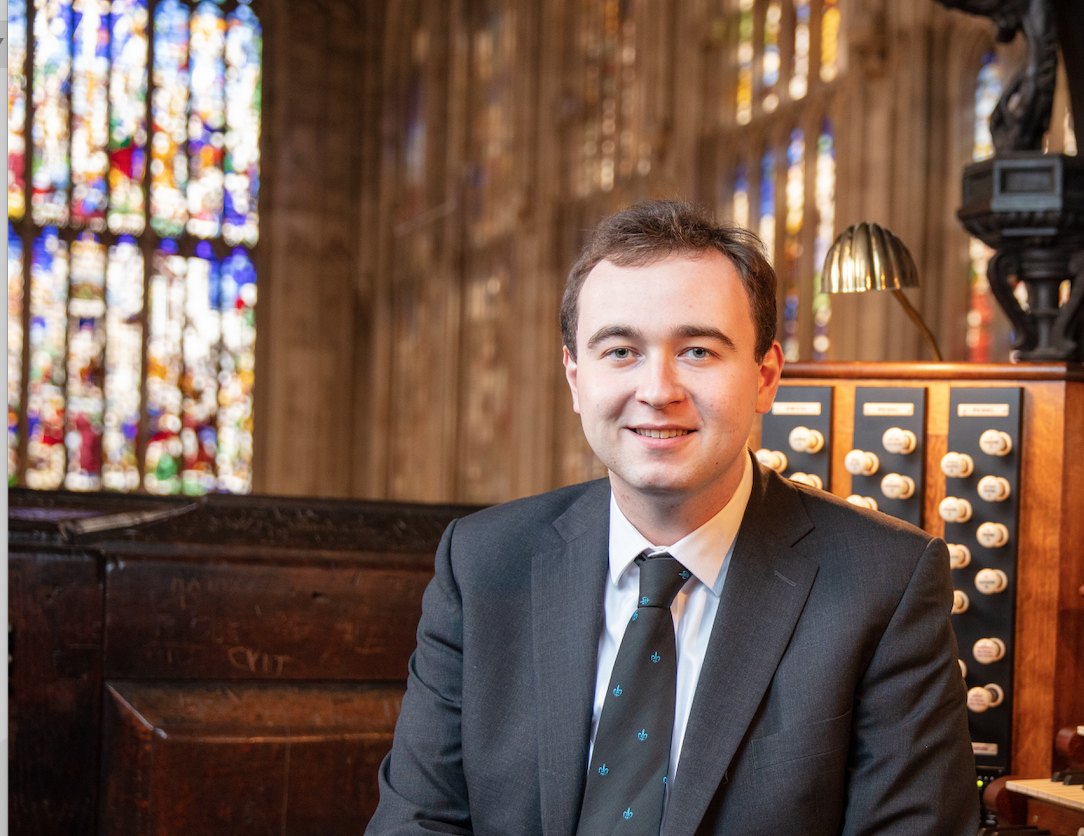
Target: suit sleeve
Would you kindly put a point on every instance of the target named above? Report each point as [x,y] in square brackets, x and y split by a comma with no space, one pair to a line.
[911,767]
[422,784]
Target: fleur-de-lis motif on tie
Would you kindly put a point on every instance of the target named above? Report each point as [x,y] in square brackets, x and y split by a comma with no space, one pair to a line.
[642,734]
[602,770]
[617,691]
[634,615]
[655,657]
[644,600]
[684,574]
[627,814]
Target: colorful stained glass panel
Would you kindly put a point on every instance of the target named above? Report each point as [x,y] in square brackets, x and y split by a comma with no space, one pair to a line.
[169,106]
[745,62]
[199,385]
[15,349]
[236,375]
[829,39]
[162,465]
[16,47]
[741,196]
[240,222]
[90,112]
[825,200]
[51,175]
[86,364]
[48,331]
[770,60]
[128,116]
[799,79]
[766,224]
[207,120]
[123,365]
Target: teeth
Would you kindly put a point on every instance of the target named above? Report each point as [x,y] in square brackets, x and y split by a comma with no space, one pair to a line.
[662,433]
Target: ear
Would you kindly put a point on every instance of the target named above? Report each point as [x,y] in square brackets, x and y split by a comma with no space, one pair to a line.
[771,369]
[570,376]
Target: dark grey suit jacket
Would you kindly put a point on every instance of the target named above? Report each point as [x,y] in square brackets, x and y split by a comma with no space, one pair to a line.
[830,700]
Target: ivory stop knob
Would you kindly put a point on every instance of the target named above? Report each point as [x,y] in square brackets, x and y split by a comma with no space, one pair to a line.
[983,697]
[896,440]
[957,465]
[995,443]
[990,581]
[896,486]
[987,651]
[959,555]
[953,509]
[805,440]
[772,459]
[811,479]
[994,488]
[963,668]
[861,463]
[992,535]
[862,501]
[960,602]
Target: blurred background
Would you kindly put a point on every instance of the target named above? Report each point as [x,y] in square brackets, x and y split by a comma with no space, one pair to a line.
[407,183]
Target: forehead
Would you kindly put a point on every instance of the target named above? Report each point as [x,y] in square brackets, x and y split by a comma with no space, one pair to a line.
[681,289]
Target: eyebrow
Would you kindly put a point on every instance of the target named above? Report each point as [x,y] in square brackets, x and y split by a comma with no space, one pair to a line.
[682,332]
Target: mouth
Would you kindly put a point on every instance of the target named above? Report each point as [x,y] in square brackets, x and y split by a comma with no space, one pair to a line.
[660,433]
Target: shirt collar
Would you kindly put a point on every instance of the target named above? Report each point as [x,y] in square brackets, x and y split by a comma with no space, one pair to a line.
[703,551]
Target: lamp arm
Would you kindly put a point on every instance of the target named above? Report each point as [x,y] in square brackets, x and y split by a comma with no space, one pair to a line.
[916,317]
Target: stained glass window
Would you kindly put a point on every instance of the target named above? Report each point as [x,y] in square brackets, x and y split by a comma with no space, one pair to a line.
[137,320]
[792,247]
[799,79]
[825,199]
[16,109]
[829,39]
[766,226]
[741,196]
[980,314]
[770,60]
[775,59]
[15,348]
[745,62]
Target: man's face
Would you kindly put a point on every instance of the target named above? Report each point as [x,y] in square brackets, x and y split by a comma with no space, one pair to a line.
[665,379]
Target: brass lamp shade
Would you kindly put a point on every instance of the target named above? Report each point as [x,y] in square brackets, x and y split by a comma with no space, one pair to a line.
[867,256]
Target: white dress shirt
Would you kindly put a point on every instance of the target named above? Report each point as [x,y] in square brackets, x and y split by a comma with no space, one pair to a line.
[706,553]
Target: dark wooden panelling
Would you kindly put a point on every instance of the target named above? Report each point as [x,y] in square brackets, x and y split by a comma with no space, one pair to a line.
[228,621]
[55,611]
[244,758]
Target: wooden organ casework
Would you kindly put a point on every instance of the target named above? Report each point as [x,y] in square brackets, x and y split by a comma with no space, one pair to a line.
[990,457]
[231,665]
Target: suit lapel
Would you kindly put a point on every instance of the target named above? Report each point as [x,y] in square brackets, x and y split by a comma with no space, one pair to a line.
[567,595]
[765,591]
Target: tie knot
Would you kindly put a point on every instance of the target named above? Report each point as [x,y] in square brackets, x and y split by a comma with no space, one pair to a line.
[661,577]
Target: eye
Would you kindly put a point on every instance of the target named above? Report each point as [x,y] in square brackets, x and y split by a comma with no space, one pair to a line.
[620,353]
[699,353]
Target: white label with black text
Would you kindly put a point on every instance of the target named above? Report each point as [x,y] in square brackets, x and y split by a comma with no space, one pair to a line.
[983,410]
[796,408]
[888,410]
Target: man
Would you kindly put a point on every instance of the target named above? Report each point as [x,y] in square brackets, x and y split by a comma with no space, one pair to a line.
[816,688]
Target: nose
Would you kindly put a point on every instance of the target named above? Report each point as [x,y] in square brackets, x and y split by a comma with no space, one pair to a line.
[660,385]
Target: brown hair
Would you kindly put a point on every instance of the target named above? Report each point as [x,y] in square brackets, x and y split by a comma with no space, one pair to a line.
[656,229]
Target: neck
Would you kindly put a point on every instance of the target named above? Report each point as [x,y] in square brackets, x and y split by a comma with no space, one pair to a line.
[663,519]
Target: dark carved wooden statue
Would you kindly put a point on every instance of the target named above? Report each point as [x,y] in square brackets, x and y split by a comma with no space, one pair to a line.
[1027,205]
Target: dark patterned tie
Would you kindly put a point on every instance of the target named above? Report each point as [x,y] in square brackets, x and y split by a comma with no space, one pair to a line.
[626,782]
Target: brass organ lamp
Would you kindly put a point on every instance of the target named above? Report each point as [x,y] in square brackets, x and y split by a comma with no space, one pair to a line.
[867,256]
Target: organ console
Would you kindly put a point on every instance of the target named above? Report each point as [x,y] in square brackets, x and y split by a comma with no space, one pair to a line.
[990,457]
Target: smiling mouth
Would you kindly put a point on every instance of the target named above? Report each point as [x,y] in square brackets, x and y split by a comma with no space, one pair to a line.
[661,433]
